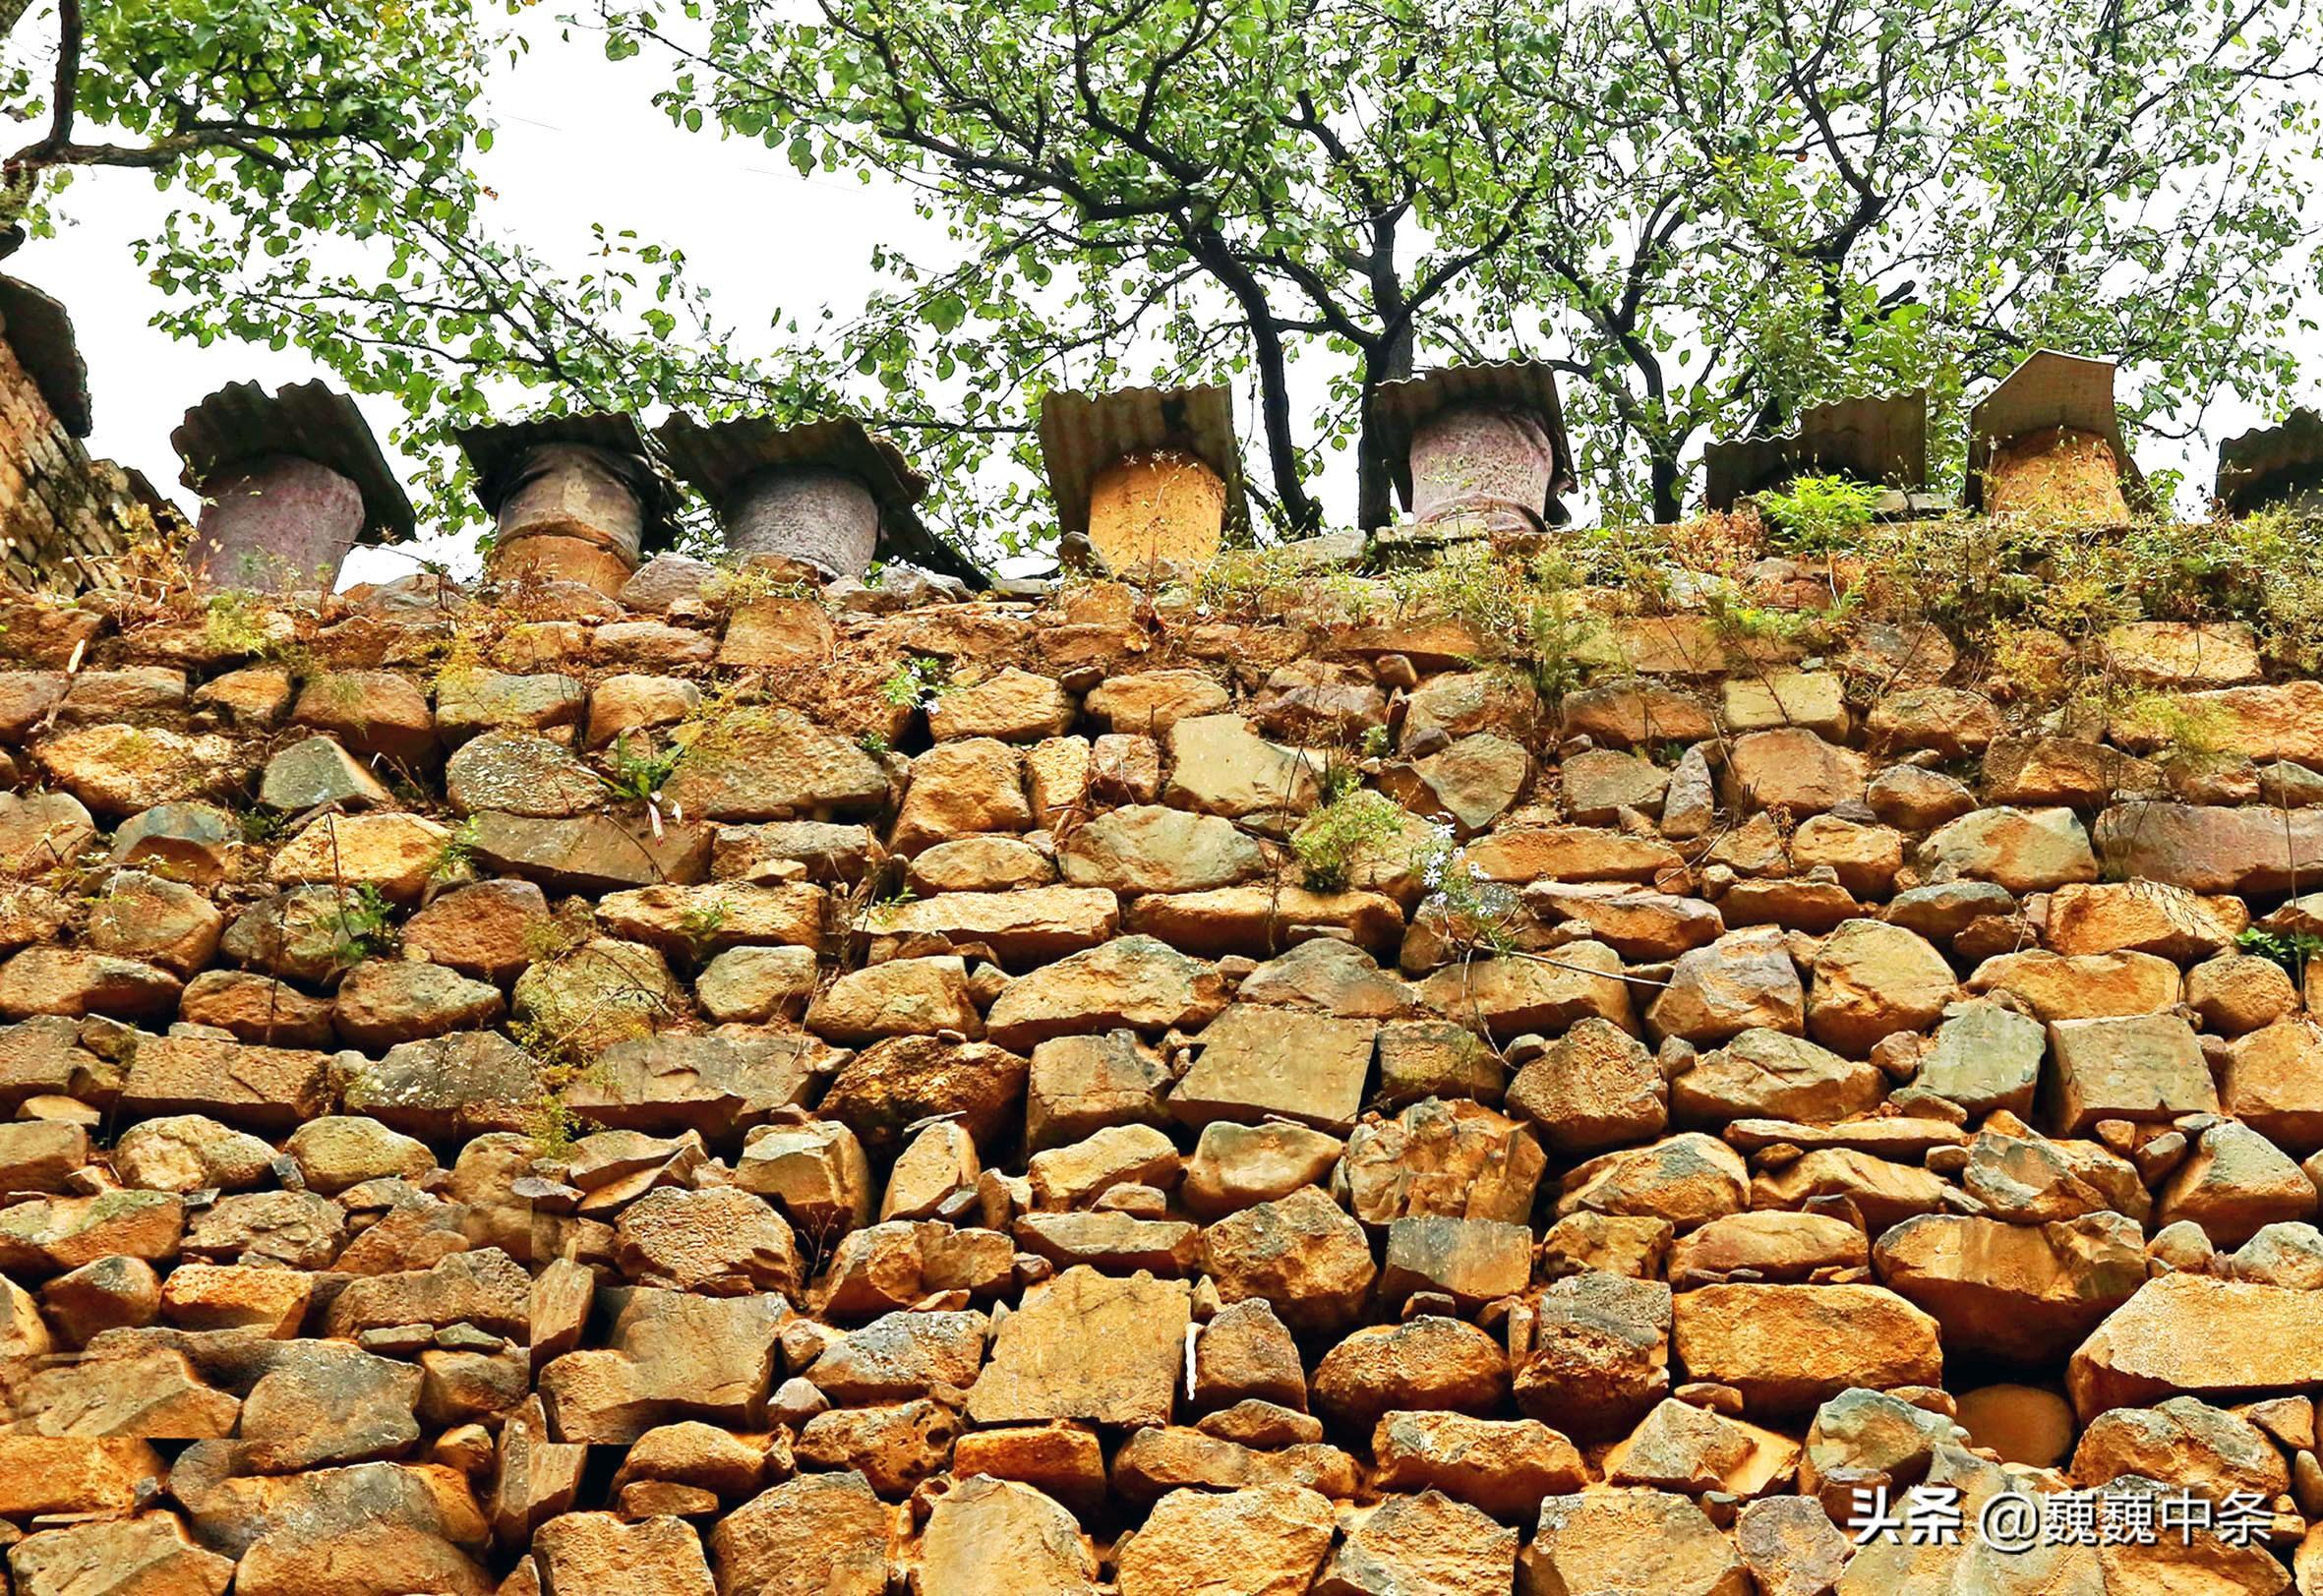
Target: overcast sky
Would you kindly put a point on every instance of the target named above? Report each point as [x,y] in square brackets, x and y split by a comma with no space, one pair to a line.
[578,142]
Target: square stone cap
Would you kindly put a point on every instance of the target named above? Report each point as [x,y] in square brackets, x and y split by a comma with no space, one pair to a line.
[496,450]
[1398,408]
[39,329]
[2254,466]
[717,458]
[2048,388]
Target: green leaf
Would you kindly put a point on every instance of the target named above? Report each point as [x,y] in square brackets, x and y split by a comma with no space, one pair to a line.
[944,312]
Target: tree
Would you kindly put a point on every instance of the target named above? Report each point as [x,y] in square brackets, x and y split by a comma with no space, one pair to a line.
[257,107]
[320,162]
[1784,202]
[1706,213]
[1225,177]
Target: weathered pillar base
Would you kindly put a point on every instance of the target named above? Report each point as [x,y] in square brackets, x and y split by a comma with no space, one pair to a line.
[278,524]
[547,556]
[1479,470]
[1424,542]
[571,515]
[2059,474]
[824,517]
[1164,504]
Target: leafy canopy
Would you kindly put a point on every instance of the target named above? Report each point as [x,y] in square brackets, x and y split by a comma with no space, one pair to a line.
[312,106]
[1705,212]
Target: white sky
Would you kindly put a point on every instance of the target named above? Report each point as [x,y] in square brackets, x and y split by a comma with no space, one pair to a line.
[577,143]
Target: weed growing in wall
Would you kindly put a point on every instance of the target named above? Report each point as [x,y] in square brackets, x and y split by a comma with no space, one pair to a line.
[1819,514]
[917,681]
[1357,826]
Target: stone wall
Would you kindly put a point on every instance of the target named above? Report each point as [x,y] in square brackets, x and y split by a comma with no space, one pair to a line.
[58,507]
[795,1091]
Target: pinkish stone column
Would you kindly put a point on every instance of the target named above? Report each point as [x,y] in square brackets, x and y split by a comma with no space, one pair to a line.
[1482,463]
[278,524]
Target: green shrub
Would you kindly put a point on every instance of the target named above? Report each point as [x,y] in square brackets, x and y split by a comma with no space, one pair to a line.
[2289,949]
[1819,514]
[640,777]
[1353,828]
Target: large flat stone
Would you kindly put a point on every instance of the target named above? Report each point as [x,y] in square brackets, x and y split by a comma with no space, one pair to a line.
[1789,1347]
[2206,849]
[1258,1061]
[2191,1334]
[272,1088]
[1098,1350]
[591,852]
[1027,927]
[2148,1067]
[773,763]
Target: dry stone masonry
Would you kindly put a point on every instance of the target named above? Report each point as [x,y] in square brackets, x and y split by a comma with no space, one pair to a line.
[59,510]
[1215,1084]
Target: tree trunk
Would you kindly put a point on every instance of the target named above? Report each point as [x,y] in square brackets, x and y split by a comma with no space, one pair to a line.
[1372,509]
[1390,362]
[1665,480]
[1302,517]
